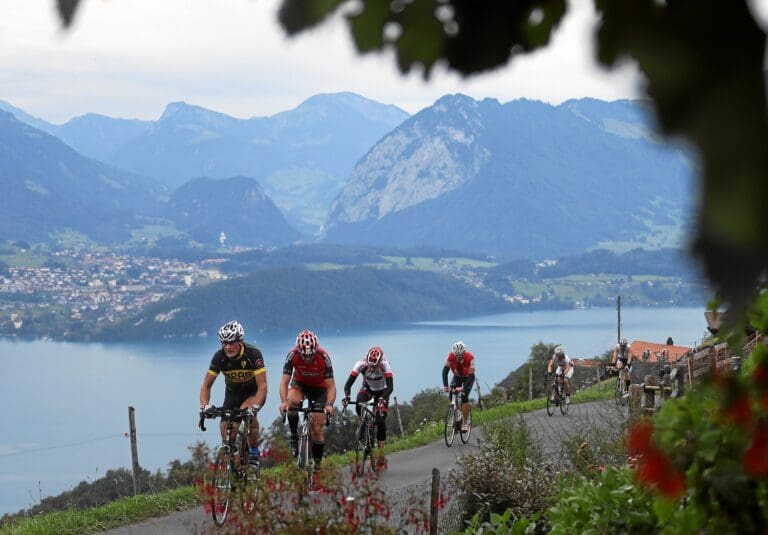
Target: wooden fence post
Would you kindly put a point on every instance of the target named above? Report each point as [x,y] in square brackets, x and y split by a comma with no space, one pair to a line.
[530,383]
[433,510]
[399,421]
[635,401]
[134,449]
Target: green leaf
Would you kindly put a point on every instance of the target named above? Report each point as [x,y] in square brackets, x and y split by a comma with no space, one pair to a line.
[298,15]
[367,27]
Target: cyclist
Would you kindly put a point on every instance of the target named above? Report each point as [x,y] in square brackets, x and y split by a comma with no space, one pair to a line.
[378,384]
[245,378]
[562,364]
[307,373]
[622,358]
[462,363]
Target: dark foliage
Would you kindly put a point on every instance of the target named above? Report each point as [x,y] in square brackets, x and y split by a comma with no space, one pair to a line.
[281,299]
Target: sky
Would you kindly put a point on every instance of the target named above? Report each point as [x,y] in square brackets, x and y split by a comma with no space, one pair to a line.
[131,58]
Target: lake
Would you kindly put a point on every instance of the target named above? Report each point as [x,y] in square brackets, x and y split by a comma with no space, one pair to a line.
[65,405]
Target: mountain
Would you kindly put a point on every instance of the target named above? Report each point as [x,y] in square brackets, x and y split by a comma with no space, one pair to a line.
[301,157]
[26,118]
[518,179]
[46,186]
[93,135]
[204,208]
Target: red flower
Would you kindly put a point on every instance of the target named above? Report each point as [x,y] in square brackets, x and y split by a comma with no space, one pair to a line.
[755,459]
[761,375]
[738,411]
[639,440]
[652,469]
[673,485]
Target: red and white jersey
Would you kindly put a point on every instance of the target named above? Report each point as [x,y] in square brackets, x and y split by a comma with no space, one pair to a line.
[312,372]
[374,377]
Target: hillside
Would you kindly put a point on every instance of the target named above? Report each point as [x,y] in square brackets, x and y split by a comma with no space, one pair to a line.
[282,299]
[46,187]
[237,207]
[518,179]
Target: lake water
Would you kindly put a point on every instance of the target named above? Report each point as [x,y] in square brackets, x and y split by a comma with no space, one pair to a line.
[65,406]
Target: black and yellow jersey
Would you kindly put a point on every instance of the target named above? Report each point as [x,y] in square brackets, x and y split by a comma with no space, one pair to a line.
[239,372]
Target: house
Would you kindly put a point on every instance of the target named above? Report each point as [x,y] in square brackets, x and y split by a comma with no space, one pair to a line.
[652,352]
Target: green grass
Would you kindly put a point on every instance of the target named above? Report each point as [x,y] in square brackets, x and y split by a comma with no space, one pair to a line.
[114,514]
[138,508]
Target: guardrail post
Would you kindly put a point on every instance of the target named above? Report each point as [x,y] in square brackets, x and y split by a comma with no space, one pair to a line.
[134,449]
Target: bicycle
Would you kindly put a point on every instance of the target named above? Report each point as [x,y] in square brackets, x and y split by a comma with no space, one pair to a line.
[621,390]
[556,395]
[454,418]
[304,460]
[366,440]
[232,471]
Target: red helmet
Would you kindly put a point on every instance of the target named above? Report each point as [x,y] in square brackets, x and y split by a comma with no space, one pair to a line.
[374,356]
[306,341]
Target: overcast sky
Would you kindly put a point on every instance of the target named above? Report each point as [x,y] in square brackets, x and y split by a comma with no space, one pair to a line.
[129,58]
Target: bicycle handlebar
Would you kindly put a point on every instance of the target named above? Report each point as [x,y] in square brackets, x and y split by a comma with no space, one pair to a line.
[306,410]
[219,412]
[367,405]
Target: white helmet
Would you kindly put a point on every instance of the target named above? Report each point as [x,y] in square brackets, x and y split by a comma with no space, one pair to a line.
[459,348]
[559,351]
[231,332]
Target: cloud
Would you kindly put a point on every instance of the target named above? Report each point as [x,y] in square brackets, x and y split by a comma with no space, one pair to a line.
[129,59]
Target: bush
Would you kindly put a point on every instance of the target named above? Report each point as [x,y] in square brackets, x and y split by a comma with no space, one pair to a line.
[506,474]
[613,504]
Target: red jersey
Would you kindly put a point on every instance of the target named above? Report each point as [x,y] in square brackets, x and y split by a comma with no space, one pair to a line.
[312,372]
[461,368]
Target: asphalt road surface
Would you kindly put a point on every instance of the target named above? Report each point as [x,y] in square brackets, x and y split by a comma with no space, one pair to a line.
[414,467]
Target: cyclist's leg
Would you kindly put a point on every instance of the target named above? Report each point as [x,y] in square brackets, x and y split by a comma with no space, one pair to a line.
[231,401]
[362,397]
[567,378]
[295,396]
[252,424]
[467,383]
[317,398]
[381,422]
[559,376]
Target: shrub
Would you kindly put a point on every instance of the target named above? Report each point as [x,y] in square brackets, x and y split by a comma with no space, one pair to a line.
[506,474]
[612,504]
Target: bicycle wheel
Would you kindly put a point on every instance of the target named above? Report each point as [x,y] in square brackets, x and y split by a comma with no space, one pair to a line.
[250,474]
[618,391]
[561,395]
[551,402]
[222,485]
[465,434]
[303,458]
[450,426]
[363,449]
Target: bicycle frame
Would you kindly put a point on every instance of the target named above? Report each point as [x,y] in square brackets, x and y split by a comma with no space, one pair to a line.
[454,418]
[556,395]
[304,460]
[621,390]
[366,440]
[228,470]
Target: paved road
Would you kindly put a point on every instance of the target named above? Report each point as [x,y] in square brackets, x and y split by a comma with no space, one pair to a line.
[413,467]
